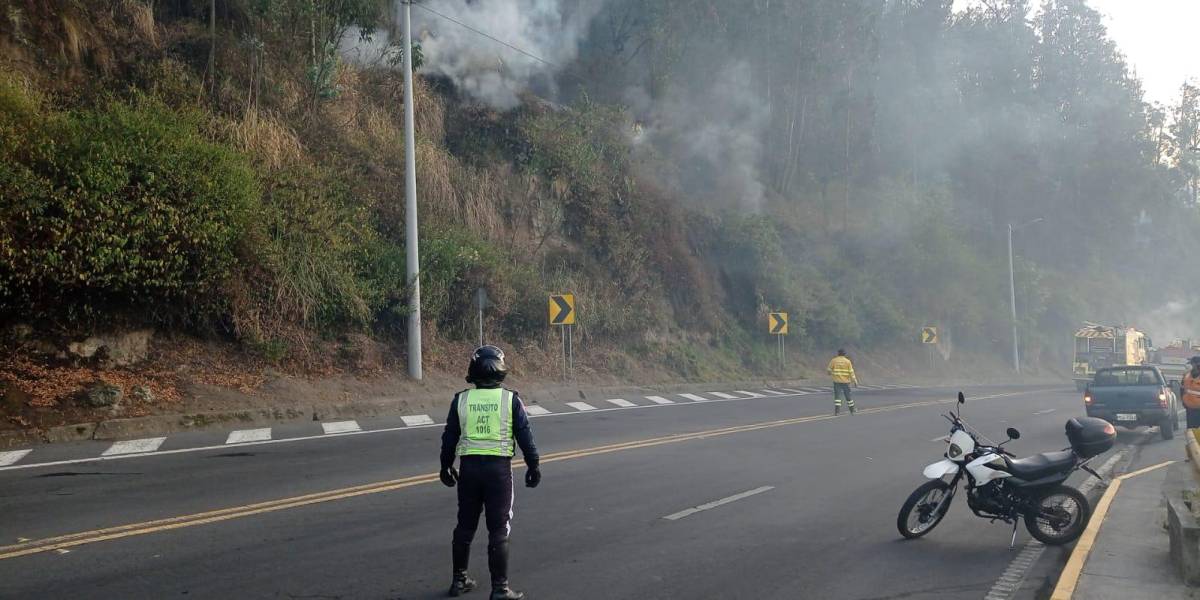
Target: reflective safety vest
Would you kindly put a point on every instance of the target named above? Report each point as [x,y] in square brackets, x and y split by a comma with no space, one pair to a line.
[485,422]
[1191,391]
[841,370]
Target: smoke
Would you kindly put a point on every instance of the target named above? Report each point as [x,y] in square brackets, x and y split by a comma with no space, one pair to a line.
[716,145]
[1173,320]
[455,44]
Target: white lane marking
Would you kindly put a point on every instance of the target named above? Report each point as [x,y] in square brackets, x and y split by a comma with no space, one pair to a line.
[134,446]
[414,420]
[536,410]
[816,390]
[703,507]
[620,402]
[8,458]
[944,438]
[248,435]
[871,387]
[659,400]
[581,406]
[340,427]
[748,394]
[1045,412]
[289,440]
[723,395]
[1013,578]
[796,392]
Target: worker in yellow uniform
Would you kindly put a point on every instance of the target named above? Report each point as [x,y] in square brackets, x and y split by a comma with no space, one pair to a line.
[1190,393]
[842,372]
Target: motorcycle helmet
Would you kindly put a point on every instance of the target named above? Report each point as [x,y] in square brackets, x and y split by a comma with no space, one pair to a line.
[487,366]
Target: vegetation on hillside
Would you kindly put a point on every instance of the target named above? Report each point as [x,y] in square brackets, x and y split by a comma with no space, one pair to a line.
[855,164]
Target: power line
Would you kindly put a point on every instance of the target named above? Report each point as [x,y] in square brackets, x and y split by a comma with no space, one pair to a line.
[488,36]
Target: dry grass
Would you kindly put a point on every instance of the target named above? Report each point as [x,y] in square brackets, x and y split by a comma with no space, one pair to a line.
[141,17]
[266,138]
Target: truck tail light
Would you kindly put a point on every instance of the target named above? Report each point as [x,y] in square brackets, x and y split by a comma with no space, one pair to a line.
[1087,398]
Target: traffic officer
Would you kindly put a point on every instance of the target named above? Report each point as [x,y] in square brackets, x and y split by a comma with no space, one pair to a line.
[480,430]
[1190,393]
[841,370]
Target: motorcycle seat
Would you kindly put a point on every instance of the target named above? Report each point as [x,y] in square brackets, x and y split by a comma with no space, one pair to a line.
[1041,465]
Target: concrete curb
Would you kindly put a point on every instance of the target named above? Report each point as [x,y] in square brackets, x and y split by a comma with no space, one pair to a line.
[1183,529]
[114,429]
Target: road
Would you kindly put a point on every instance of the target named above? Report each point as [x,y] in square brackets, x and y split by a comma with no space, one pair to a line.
[821,523]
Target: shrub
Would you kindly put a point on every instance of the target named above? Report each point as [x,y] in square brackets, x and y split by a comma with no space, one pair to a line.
[124,207]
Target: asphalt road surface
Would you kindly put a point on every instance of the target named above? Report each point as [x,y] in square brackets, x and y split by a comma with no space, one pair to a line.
[769,498]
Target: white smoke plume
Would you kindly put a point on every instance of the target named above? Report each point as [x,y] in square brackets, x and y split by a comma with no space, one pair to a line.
[488,70]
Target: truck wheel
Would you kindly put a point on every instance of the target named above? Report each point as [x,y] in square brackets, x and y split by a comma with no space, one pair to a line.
[1167,428]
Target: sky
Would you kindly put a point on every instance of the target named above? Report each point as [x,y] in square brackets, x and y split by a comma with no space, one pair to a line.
[1159,38]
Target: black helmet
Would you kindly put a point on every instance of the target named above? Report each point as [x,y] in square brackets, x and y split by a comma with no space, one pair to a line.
[487,366]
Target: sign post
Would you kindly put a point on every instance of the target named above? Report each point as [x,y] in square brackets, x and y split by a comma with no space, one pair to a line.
[777,325]
[562,313]
[929,337]
[481,302]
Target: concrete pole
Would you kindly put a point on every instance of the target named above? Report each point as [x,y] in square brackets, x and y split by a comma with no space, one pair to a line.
[413,257]
[1012,291]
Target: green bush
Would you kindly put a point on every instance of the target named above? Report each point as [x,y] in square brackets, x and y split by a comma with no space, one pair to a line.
[122,207]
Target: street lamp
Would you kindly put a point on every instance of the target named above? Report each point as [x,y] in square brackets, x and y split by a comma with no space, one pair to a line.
[1012,290]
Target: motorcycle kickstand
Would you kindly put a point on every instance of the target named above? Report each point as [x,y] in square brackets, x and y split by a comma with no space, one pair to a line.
[1012,545]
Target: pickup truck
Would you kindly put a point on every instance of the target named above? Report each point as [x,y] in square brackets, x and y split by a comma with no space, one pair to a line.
[1133,395]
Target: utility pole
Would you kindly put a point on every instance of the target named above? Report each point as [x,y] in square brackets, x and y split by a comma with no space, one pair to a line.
[1012,294]
[412,255]
[1012,291]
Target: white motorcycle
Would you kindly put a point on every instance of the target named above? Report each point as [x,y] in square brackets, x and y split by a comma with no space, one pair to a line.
[1000,488]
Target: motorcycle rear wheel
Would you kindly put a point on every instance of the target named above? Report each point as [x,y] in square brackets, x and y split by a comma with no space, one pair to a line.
[921,513]
[1058,516]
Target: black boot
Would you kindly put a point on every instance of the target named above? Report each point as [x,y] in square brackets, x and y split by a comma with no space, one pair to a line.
[498,565]
[462,582]
[837,409]
[851,409]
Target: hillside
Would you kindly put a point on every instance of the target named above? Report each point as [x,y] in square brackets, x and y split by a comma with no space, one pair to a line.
[239,190]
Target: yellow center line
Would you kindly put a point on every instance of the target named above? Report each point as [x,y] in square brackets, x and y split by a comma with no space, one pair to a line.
[133,529]
[1069,579]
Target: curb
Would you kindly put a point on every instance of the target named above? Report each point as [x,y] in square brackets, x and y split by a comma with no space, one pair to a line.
[151,425]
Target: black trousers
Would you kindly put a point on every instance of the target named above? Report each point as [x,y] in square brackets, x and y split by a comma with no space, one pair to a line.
[485,485]
[1193,418]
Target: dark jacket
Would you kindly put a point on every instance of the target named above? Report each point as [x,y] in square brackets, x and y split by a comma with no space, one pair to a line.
[521,432]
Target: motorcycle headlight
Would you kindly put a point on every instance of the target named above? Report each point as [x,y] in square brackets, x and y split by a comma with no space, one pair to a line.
[954,451]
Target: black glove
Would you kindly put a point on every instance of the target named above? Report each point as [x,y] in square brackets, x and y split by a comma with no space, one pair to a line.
[449,476]
[533,477]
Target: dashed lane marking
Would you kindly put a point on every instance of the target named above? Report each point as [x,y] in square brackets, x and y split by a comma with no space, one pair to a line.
[775,392]
[723,395]
[620,402]
[8,458]
[723,501]
[534,409]
[797,392]
[414,420]
[134,446]
[695,398]
[340,427]
[248,435]
[748,394]
[581,406]
[659,400]
[1045,412]
[225,514]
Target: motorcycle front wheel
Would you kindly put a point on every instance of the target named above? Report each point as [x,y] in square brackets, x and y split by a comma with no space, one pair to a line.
[924,509]
[1058,516]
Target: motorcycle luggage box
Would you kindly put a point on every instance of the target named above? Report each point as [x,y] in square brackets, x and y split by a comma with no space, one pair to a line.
[1090,436]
